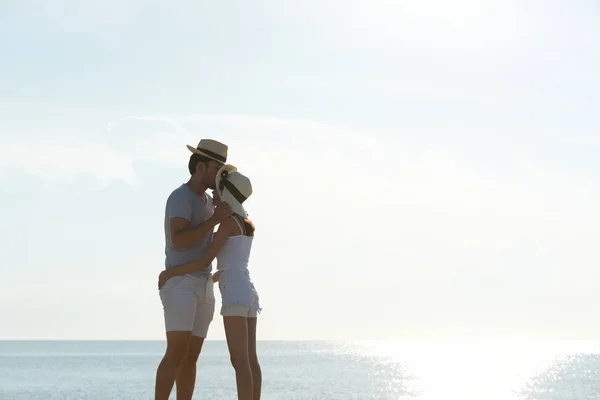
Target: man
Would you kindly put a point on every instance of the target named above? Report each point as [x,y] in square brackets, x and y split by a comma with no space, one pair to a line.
[188,300]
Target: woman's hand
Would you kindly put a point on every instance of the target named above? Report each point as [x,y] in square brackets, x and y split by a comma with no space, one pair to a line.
[163,277]
[216,198]
[215,276]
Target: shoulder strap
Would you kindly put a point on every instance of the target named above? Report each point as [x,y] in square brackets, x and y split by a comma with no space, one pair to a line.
[235,218]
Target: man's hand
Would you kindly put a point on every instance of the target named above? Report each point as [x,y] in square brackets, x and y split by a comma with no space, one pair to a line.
[163,277]
[222,211]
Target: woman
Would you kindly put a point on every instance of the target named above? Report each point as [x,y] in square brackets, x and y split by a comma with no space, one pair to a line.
[231,246]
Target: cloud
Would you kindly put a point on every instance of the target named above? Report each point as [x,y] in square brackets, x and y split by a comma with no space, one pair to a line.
[56,161]
[111,155]
[423,223]
[68,16]
[319,155]
[465,24]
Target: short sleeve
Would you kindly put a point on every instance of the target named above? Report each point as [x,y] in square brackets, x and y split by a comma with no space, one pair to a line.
[179,206]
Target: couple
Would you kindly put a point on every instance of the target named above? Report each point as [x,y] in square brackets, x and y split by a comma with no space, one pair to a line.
[186,285]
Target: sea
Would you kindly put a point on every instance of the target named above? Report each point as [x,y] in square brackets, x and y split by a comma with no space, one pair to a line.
[317,370]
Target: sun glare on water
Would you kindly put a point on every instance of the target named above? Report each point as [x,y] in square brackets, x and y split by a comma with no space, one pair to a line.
[477,369]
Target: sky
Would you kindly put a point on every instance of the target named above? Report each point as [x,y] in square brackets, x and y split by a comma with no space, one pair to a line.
[420,169]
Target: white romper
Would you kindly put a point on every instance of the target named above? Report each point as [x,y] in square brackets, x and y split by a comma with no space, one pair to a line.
[234,281]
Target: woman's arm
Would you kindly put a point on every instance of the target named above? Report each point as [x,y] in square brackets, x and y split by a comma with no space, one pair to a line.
[224,231]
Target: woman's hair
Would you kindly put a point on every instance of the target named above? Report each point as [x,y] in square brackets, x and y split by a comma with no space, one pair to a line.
[248,225]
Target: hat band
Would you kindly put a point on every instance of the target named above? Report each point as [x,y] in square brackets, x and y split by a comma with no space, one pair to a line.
[214,155]
[233,190]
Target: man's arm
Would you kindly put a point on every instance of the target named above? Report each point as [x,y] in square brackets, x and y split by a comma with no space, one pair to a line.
[179,211]
[225,230]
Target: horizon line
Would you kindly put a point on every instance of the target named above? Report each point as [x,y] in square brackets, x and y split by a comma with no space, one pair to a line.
[407,339]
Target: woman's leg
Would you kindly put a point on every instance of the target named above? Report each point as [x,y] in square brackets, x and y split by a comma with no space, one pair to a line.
[254,365]
[236,331]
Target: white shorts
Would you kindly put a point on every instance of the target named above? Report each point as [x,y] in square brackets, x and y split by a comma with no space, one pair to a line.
[239,310]
[238,294]
[188,304]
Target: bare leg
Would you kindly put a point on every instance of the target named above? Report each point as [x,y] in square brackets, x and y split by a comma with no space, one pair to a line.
[186,376]
[254,365]
[177,346]
[236,331]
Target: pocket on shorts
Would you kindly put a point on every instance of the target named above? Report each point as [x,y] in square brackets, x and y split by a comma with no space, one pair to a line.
[172,282]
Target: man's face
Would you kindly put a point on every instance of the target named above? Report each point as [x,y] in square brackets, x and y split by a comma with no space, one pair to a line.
[212,167]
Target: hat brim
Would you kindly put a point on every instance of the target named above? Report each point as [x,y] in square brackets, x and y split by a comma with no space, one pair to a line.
[197,151]
[227,197]
[236,206]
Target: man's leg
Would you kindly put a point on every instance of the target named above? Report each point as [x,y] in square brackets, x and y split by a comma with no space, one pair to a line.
[179,305]
[186,376]
[177,347]
[205,309]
